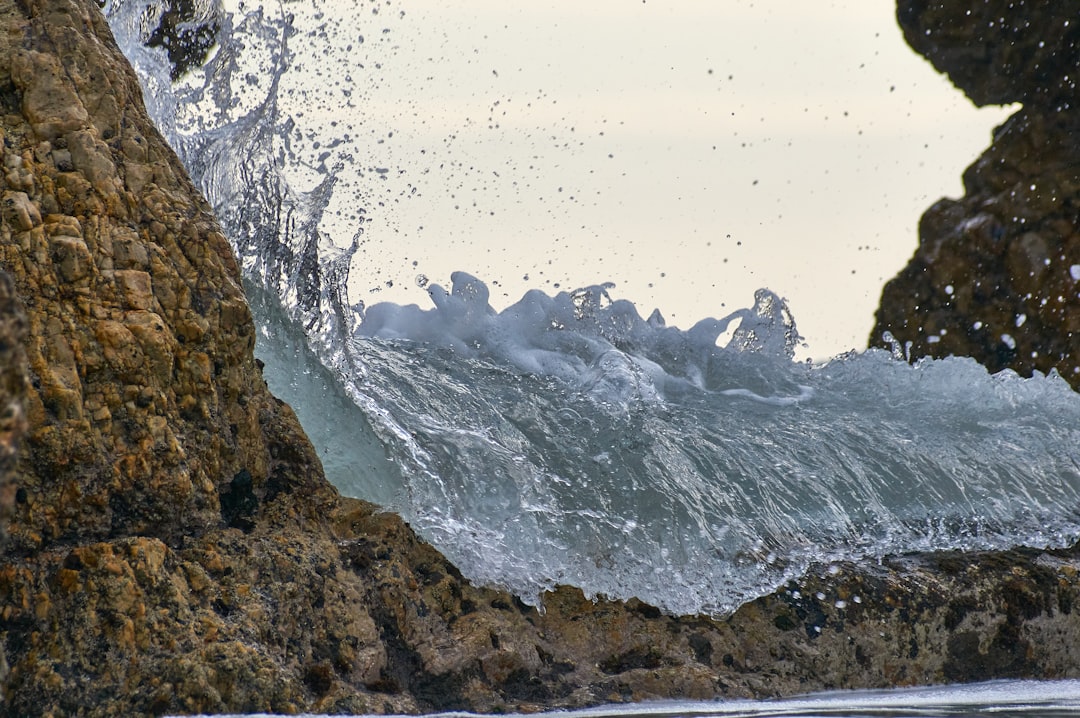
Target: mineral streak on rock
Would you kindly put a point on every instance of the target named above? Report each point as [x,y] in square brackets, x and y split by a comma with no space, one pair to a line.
[996,274]
[174,546]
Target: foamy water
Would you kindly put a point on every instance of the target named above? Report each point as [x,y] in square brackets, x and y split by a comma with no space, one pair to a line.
[1004,699]
[567,440]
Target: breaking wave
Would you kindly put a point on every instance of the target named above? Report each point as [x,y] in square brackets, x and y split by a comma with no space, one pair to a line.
[566,439]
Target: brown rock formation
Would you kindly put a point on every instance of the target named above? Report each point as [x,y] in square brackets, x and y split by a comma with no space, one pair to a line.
[919,620]
[146,408]
[175,548]
[150,430]
[998,51]
[996,275]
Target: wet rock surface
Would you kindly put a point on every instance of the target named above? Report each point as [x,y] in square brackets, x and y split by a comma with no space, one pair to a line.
[377,621]
[174,546]
[915,620]
[999,51]
[996,275]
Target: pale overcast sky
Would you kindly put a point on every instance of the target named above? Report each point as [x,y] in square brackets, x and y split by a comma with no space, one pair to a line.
[690,151]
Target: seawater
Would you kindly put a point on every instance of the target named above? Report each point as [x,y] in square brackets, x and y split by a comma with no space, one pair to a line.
[1002,699]
[567,439]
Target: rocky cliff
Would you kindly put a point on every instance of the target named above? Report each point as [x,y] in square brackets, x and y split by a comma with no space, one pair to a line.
[996,275]
[174,547]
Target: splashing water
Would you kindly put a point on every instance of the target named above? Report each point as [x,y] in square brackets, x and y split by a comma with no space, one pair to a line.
[566,440]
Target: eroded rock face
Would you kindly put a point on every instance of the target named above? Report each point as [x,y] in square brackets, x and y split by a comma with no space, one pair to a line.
[150,431]
[146,403]
[996,275]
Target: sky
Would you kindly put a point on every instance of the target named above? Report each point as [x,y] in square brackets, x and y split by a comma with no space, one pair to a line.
[687,151]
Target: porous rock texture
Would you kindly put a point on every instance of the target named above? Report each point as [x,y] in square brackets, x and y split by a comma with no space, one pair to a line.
[996,275]
[174,547]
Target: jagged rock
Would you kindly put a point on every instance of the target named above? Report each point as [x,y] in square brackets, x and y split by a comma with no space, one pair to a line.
[996,274]
[174,546]
[999,51]
[146,401]
[917,620]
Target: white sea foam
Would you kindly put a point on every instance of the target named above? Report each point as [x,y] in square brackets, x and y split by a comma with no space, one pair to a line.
[1006,699]
[588,340]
